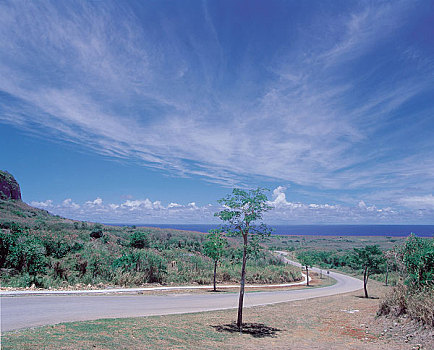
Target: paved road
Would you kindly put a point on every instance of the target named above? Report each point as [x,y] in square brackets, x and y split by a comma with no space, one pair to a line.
[31,311]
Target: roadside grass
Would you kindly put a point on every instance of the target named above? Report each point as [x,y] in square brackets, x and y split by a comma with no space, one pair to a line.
[321,323]
[316,282]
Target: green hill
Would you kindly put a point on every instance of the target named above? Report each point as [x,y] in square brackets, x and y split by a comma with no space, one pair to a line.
[47,251]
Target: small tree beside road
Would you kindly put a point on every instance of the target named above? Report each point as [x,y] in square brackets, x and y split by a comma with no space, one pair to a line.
[369,258]
[242,209]
[214,248]
[307,260]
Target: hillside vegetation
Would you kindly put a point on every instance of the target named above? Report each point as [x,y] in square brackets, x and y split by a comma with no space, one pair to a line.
[42,250]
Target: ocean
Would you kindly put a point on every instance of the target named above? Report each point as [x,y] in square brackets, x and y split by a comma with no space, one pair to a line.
[323,230]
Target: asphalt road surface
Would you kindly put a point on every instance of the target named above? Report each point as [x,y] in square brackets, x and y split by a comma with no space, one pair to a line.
[31,311]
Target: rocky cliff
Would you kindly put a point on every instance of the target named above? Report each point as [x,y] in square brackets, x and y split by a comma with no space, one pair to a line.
[9,187]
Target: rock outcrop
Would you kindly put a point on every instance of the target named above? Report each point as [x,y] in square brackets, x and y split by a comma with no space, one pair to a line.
[9,187]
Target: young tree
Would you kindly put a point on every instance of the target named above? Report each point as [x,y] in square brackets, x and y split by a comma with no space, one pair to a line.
[389,258]
[306,259]
[369,258]
[214,248]
[241,210]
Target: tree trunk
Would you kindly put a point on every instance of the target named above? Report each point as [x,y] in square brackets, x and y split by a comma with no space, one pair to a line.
[215,271]
[365,281]
[307,275]
[243,277]
[387,274]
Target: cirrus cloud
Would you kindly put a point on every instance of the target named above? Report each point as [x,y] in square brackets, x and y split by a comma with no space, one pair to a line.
[325,100]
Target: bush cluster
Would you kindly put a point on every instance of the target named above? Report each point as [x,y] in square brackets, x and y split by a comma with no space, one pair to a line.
[60,254]
[414,294]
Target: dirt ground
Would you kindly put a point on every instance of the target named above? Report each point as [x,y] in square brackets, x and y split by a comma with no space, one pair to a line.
[339,322]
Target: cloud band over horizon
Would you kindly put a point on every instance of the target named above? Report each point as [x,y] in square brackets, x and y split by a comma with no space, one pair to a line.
[135,211]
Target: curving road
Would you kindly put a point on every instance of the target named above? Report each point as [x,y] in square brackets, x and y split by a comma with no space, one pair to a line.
[32,311]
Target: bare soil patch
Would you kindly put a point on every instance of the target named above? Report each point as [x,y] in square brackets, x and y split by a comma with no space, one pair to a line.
[256,330]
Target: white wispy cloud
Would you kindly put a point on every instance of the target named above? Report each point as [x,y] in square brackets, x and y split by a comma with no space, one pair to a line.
[142,211]
[419,202]
[359,28]
[95,203]
[95,75]
[43,205]
[68,203]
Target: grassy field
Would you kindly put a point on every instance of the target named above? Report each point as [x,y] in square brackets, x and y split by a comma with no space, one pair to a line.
[329,243]
[340,322]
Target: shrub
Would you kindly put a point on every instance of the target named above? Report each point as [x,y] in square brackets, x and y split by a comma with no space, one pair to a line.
[22,251]
[59,270]
[27,255]
[152,266]
[97,231]
[80,265]
[58,247]
[139,240]
[417,255]
[21,280]
[416,262]
[5,243]
[99,260]
[72,268]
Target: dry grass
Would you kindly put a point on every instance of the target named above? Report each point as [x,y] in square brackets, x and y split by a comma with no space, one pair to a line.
[419,305]
[394,303]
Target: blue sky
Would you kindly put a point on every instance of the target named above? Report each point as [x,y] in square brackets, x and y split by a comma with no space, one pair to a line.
[148,112]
